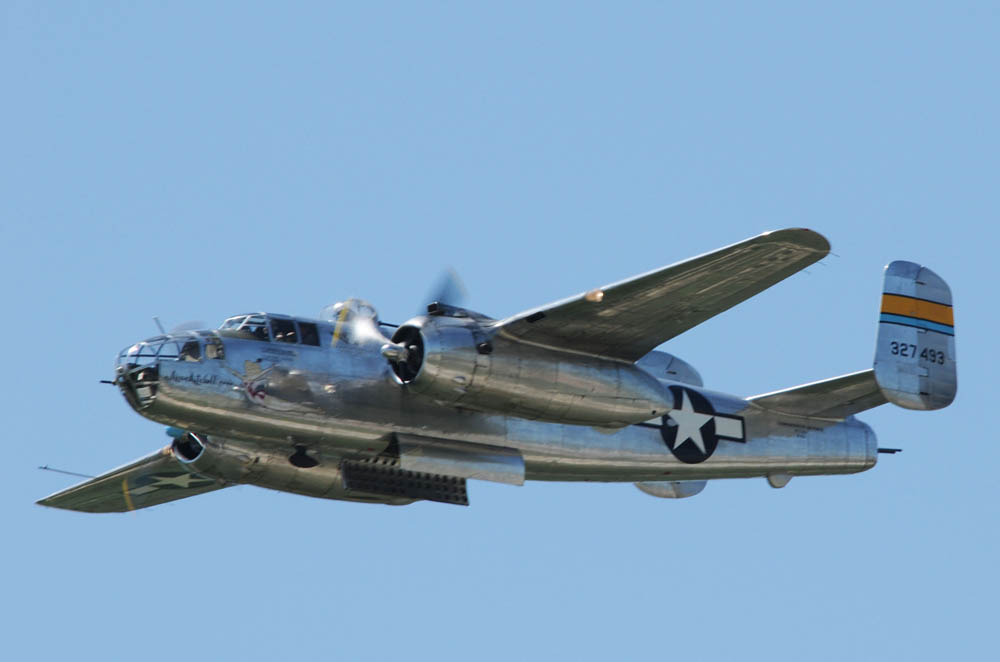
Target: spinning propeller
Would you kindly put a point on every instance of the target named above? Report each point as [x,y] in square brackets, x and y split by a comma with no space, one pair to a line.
[448,290]
[405,352]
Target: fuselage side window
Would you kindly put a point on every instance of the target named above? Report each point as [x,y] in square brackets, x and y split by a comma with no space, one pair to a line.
[191,351]
[308,335]
[213,349]
[283,330]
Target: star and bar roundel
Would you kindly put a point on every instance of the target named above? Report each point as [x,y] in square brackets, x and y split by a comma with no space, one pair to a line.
[175,480]
[692,429]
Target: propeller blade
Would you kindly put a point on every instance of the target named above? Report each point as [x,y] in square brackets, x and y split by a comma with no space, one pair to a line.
[192,325]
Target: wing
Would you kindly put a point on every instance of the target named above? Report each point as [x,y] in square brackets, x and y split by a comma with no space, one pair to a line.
[831,398]
[154,479]
[628,319]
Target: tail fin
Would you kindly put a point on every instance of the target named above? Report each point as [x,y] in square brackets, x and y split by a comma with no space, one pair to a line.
[914,355]
[915,350]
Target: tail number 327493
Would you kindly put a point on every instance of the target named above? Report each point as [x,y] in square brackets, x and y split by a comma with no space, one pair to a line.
[910,350]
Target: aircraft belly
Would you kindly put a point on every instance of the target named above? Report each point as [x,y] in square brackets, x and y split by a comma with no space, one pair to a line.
[639,453]
[359,416]
[551,451]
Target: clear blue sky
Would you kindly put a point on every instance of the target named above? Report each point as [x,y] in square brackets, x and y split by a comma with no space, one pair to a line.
[189,162]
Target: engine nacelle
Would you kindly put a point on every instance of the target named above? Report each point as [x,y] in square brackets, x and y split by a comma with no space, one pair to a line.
[667,366]
[672,489]
[456,361]
[200,455]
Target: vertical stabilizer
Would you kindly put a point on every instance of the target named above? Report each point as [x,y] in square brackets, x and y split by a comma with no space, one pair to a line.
[915,350]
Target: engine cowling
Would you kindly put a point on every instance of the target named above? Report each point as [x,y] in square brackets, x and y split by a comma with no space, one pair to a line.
[206,456]
[456,360]
[672,489]
[667,366]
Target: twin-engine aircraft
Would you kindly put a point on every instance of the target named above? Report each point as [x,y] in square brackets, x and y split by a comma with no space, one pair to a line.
[348,407]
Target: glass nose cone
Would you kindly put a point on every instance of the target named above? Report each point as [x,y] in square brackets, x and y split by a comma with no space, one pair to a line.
[137,370]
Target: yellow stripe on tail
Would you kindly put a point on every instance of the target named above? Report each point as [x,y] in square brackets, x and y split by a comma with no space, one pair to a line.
[898,304]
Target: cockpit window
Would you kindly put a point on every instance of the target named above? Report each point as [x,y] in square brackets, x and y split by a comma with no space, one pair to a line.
[191,351]
[233,323]
[253,327]
[283,330]
[308,334]
[265,327]
[256,326]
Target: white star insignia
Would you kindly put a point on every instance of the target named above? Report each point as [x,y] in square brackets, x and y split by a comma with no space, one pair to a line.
[689,423]
[180,480]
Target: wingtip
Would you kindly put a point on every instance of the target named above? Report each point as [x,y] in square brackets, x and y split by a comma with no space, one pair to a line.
[803,237]
[49,502]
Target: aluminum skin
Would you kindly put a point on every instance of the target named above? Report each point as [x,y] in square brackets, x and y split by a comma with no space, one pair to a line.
[347,407]
[343,400]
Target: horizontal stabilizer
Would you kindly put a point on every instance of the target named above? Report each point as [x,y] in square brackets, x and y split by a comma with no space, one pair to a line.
[838,397]
[915,349]
[149,481]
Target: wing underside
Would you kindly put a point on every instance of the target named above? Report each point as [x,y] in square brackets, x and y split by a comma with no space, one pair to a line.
[151,480]
[626,320]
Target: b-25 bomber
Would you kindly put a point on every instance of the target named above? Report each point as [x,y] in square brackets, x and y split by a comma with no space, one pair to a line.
[348,407]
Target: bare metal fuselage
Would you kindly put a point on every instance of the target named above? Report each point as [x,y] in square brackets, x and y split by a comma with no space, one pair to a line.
[340,400]
[574,390]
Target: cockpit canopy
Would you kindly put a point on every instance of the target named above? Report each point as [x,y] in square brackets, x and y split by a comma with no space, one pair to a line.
[271,327]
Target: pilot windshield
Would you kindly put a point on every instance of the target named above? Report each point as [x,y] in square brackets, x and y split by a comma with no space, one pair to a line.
[253,327]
